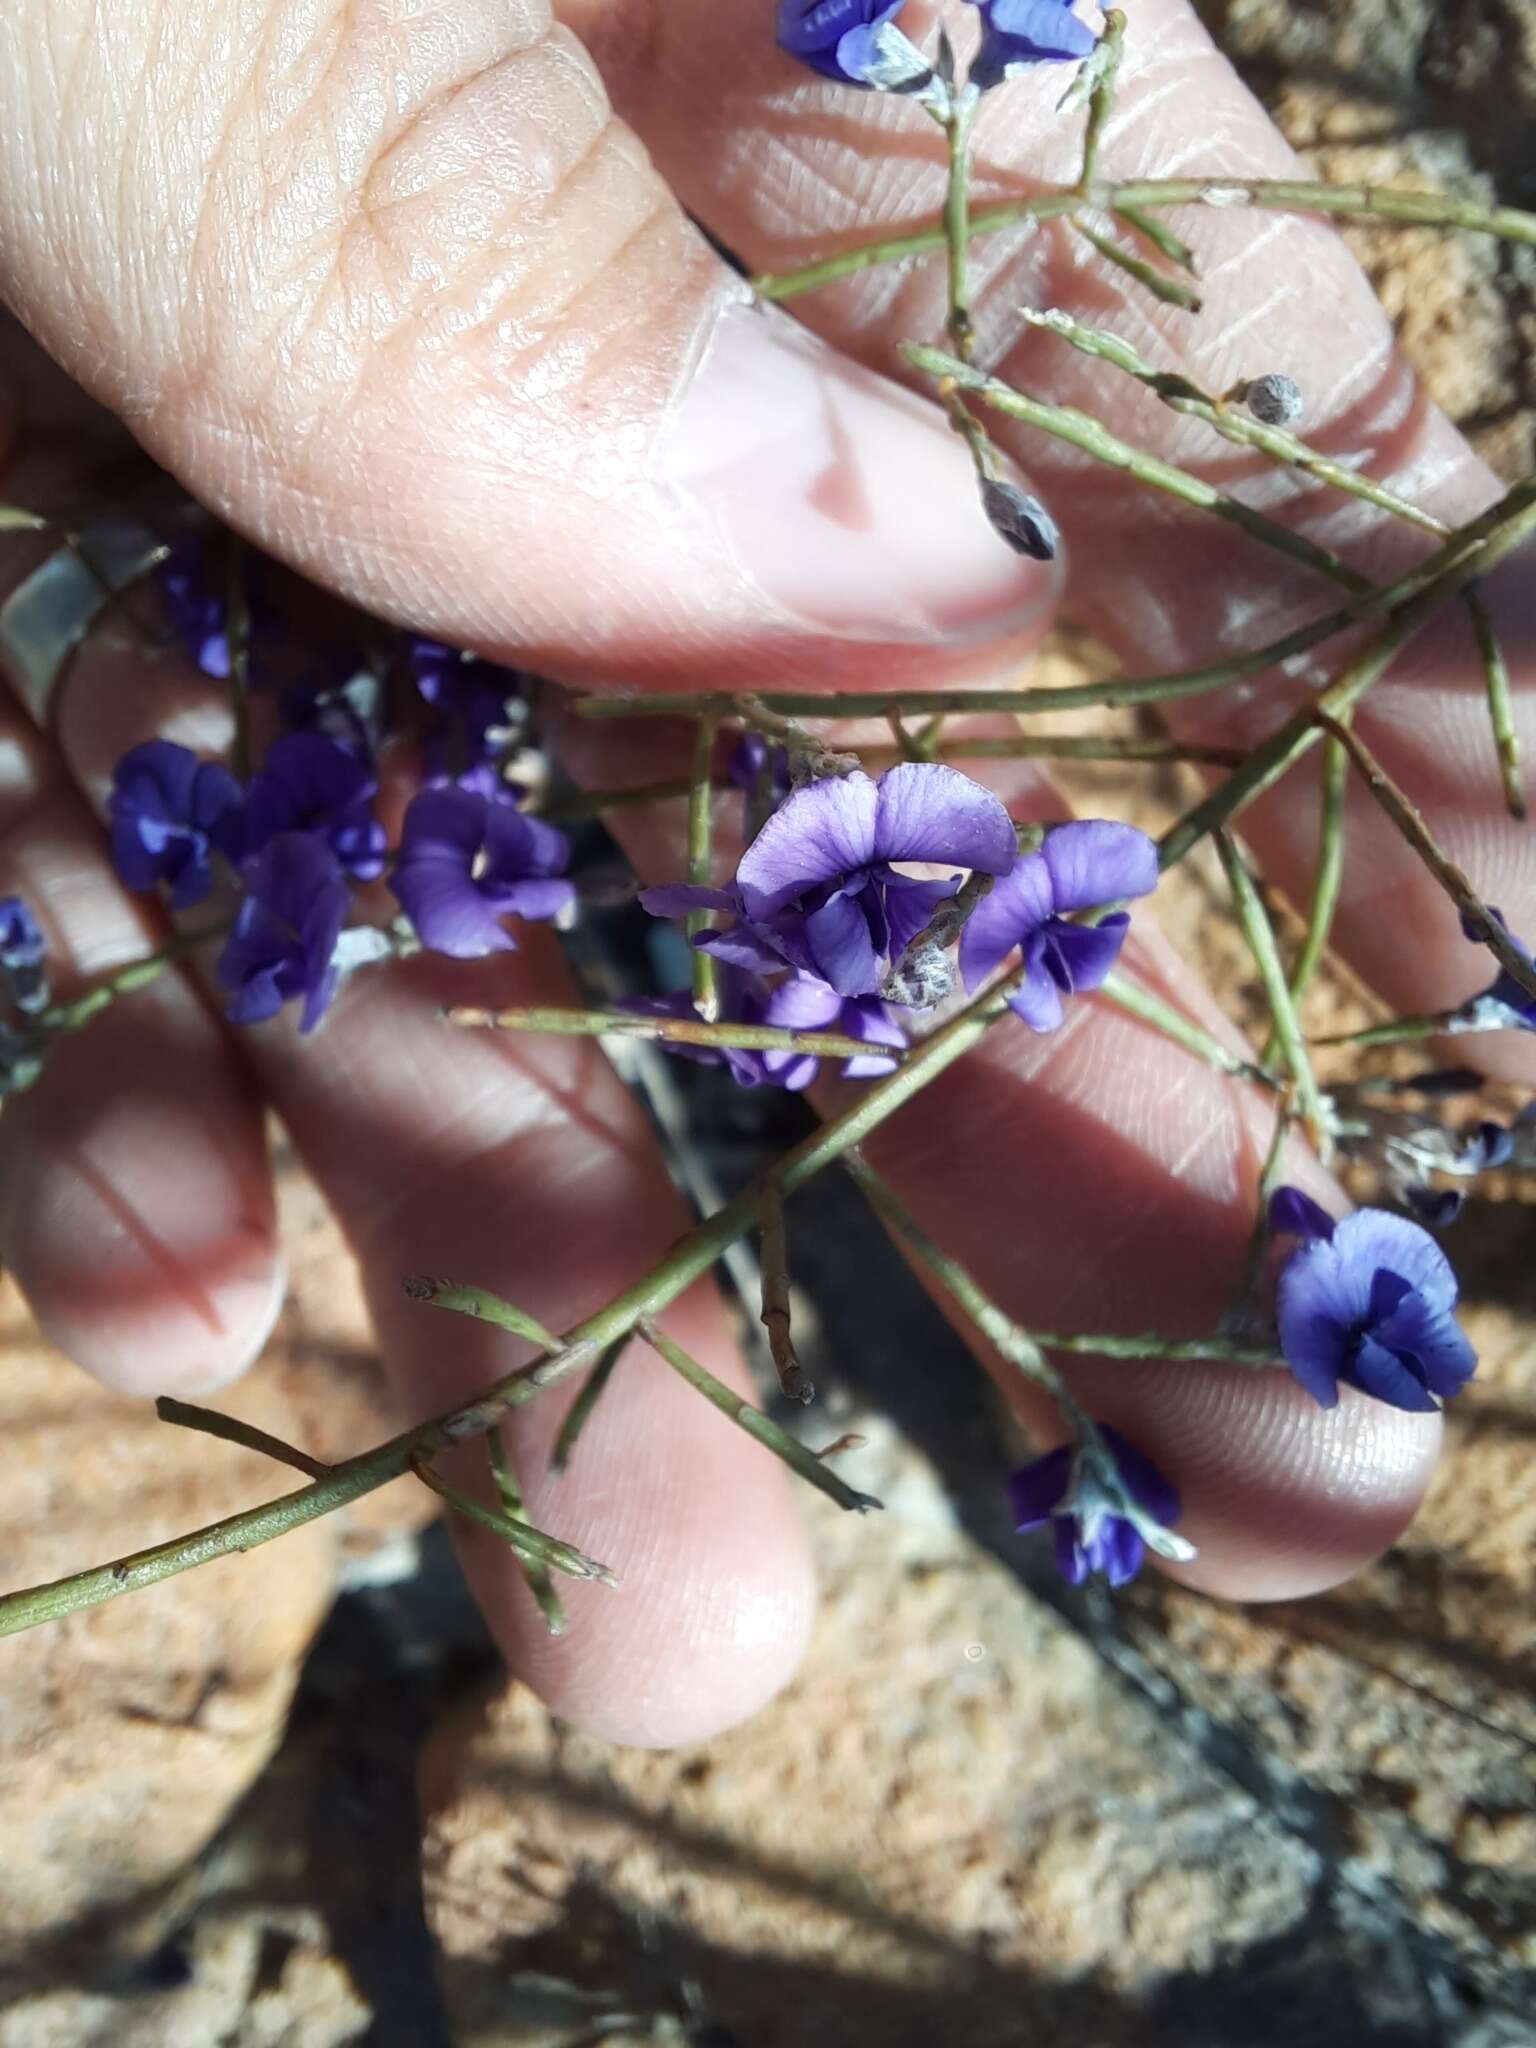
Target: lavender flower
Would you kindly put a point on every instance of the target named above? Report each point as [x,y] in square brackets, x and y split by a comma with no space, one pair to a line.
[1107,1503]
[855,42]
[1505,1004]
[170,813]
[1080,866]
[23,957]
[752,760]
[196,596]
[466,863]
[1019,34]
[283,945]
[1368,1302]
[798,1003]
[817,889]
[473,701]
[312,783]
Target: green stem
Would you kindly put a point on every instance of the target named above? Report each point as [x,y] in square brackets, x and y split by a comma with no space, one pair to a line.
[1160,235]
[1181,396]
[1080,430]
[1397,1030]
[1272,195]
[561,1023]
[14,519]
[1246,1306]
[773,1247]
[1409,820]
[1471,551]
[1140,1003]
[754,1421]
[1260,934]
[957,123]
[540,1583]
[579,1413]
[80,1010]
[1171,291]
[701,822]
[685,1263]
[230,1430]
[1327,882]
[1106,60]
[1501,708]
[531,1545]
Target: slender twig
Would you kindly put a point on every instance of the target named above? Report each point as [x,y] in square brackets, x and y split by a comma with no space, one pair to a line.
[532,1545]
[79,1011]
[1501,708]
[753,1420]
[687,1261]
[1409,820]
[1081,430]
[1472,551]
[1140,1003]
[1104,65]
[231,1430]
[14,519]
[1241,1316]
[774,1252]
[579,1413]
[1326,883]
[701,822]
[1171,291]
[510,1494]
[1260,934]
[483,1307]
[677,1030]
[1160,235]
[956,121]
[1272,195]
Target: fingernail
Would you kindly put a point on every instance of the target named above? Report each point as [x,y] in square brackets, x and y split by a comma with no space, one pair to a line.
[847,501]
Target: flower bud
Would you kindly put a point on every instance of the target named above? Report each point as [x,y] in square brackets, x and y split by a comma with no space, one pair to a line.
[1021,520]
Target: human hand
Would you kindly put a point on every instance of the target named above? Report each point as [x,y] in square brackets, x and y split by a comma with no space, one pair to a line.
[391,290]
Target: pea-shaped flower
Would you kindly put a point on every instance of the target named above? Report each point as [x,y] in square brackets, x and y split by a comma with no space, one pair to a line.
[310,782]
[468,862]
[855,42]
[1368,1302]
[1107,1505]
[170,812]
[1079,867]
[1019,34]
[283,945]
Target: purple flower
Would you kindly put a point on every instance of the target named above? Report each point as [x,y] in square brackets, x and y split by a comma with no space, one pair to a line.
[345,705]
[282,948]
[799,1003]
[1505,1003]
[472,699]
[194,586]
[1079,867]
[855,42]
[466,863]
[1368,1302]
[1108,1506]
[1019,34]
[23,960]
[752,760]
[312,783]
[170,813]
[816,887]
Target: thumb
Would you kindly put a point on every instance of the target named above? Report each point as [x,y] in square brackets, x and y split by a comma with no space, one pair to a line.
[391,289]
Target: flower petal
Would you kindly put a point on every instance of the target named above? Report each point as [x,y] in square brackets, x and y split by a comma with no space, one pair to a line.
[1385,1377]
[818,834]
[1081,955]
[1293,1214]
[841,951]
[926,811]
[909,906]
[1037,999]
[1096,861]
[1037,1489]
[1011,912]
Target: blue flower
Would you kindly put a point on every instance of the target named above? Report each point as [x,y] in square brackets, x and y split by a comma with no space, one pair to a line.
[466,863]
[23,956]
[473,700]
[170,812]
[816,890]
[283,945]
[1080,867]
[753,761]
[1107,1505]
[310,782]
[1370,1303]
[194,586]
[855,42]
[1019,34]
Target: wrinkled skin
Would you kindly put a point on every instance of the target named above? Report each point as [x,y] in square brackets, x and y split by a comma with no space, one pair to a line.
[395,289]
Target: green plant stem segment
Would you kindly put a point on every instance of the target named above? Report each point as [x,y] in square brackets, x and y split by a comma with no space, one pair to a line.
[1082,431]
[1269,195]
[561,1023]
[1105,61]
[701,827]
[1501,707]
[687,1261]
[1260,934]
[579,1413]
[540,1583]
[1169,291]
[957,124]
[1140,1003]
[754,1421]
[1326,883]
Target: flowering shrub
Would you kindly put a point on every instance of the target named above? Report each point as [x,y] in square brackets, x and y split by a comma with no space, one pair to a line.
[846,914]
